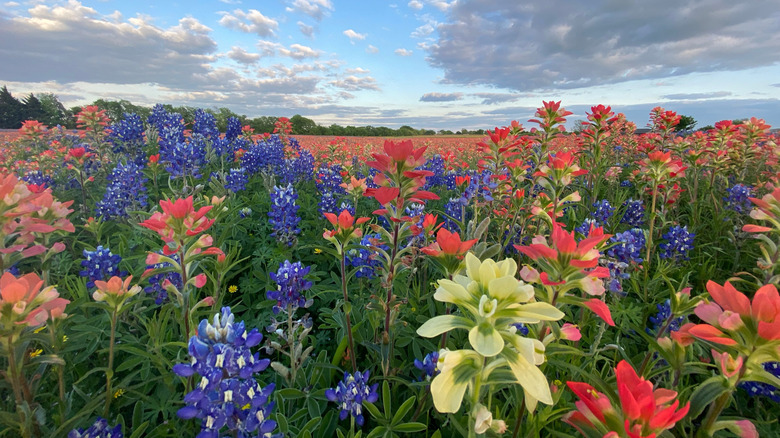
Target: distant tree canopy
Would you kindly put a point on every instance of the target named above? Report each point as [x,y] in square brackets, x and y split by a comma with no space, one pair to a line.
[687,123]
[47,109]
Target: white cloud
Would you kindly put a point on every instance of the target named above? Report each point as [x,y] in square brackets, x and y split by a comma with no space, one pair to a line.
[306,29]
[441,97]
[354,36]
[423,31]
[415,4]
[313,8]
[250,22]
[354,83]
[403,52]
[371,49]
[357,70]
[298,51]
[242,56]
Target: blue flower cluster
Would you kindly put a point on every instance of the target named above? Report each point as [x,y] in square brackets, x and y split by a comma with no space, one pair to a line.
[38,178]
[170,128]
[765,389]
[435,164]
[99,429]
[100,264]
[205,124]
[228,394]
[185,158]
[617,273]
[127,136]
[417,213]
[429,365]
[328,183]
[678,242]
[125,191]
[454,209]
[365,259]
[737,199]
[634,213]
[264,156]
[236,180]
[603,211]
[284,215]
[156,281]
[659,320]
[292,283]
[585,227]
[233,128]
[629,246]
[350,395]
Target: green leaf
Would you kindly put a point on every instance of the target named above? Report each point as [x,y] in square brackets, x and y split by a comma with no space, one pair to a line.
[403,410]
[291,393]
[386,402]
[139,430]
[373,411]
[409,427]
[705,393]
[377,432]
[486,340]
[528,376]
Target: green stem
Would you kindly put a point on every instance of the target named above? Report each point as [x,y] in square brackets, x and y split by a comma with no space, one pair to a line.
[650,235]
[291,341]
[713,413]
[110,368]
[352,352]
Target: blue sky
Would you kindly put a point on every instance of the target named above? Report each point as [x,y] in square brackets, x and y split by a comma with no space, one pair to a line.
[437,64]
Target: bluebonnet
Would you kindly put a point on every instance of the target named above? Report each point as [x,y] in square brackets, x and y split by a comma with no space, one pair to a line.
[100,264]
[185,159]
[157,281]
[13,269]
[626,183]
[38,178]
[205,124]
[585,227]
[245,212]
[765,389]
[429,365]
[617,273]
[127,137]
[284,215]
[603,211]
[436,165]
[346,205]
[328,183]
[417,213]
[98,429]
[228,394]
[233,128]
[291,285]
[158,116]
[658,321]
[236,180]
[125,191]
[264,156]
[737,199]
[521,328]
[454,208]
[634,213]
[515,239]
[367,260]
[350,394]
[678,242]
[629,246]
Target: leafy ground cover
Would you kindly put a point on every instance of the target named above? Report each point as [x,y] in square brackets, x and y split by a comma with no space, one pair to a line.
[168,280]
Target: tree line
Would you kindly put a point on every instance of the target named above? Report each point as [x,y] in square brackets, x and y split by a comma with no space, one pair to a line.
[47,109]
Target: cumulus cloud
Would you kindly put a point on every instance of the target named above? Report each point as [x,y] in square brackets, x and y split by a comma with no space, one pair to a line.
[415,4]
[441,97]
[306,29]
[241,56]
[354,83]
[371,49]
[524,45]
[133,51]
[250,22]
[697,96]
[298,51]
[358,70]
[402,52]
[313,8]
[354,36]
[423,31]
[496,98]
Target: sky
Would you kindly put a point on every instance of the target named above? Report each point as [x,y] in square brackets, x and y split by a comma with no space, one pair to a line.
[434,64]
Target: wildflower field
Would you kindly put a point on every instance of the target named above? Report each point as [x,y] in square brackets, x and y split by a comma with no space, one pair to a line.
[163,280]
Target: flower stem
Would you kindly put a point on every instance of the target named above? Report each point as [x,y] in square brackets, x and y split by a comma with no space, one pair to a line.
[110,368]
[713,413]
[346,311]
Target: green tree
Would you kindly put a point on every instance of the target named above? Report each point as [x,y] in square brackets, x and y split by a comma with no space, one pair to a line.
[33,110]
[56,114]
[11,110]
[302,125]
[686,123]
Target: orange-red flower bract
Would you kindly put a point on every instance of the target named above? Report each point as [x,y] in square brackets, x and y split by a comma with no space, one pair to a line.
[448,243]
